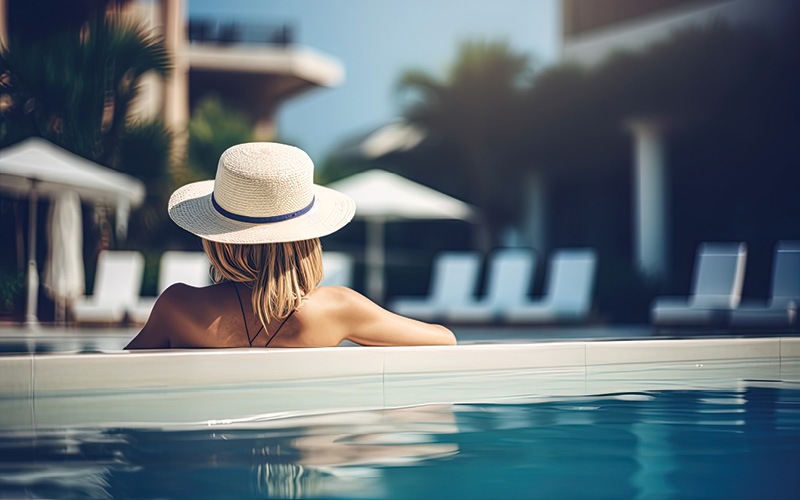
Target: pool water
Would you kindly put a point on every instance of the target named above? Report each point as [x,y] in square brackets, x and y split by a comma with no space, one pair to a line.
[738,443]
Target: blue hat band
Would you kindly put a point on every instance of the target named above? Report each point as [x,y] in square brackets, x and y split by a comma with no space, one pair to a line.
[259,220]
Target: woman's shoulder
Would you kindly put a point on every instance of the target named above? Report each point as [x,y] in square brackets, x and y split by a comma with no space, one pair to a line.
[190,303]
[337,292]
[329,313]
[334,305]
[181,313]
[179,292]
[336,297]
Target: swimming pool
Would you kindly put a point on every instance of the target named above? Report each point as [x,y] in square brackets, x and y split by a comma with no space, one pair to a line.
[654,418]
[740,443]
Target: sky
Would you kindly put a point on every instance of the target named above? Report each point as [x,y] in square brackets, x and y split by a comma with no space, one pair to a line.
[376,41]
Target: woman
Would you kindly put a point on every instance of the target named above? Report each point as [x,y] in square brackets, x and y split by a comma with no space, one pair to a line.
[260,222]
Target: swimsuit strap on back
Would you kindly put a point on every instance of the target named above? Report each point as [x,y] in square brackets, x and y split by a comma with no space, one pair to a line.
[244,318]
[247,330]
[279,328]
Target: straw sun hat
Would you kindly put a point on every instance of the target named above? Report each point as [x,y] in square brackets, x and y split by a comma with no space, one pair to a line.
[264,192]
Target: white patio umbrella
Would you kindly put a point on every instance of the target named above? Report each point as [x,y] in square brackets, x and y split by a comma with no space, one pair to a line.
[63,273]
[36,167]
[381,197]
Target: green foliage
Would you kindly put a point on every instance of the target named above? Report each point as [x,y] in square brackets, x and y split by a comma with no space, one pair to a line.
[12,287]
[145,152]
[476,102]
[471,115]
[75,87]
[685,81]
[335,168]
[214,128]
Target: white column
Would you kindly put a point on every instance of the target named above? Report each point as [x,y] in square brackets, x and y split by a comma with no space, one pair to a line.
[534,217]
[3,23]
[176,88]
[651,198]
[31,305]
[149,102]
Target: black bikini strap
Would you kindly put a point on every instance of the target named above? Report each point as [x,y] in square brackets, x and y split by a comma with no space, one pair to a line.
[244,319]
[279,328]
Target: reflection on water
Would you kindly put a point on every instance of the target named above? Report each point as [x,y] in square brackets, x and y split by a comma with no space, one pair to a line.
[741,443]
[297,457]
[63,342]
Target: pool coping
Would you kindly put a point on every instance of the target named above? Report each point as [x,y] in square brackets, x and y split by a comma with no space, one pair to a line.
[180,386]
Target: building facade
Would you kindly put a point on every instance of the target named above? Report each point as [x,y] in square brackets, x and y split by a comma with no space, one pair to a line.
[254,67]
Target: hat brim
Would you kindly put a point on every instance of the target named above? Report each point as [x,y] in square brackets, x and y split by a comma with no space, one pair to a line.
[190,208]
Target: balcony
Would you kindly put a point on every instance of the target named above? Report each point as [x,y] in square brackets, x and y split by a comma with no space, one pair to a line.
[255,67]
[208,31]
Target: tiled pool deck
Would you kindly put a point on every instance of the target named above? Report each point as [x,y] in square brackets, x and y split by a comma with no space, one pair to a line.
[82,378]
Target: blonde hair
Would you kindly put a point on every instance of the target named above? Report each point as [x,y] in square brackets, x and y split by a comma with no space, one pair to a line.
[280,274]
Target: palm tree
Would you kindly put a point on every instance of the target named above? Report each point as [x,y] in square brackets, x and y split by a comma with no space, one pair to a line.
[213,128]
[474,114]
[75,87]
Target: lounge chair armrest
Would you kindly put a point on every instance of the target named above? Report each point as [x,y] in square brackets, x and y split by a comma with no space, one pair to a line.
[758,304]
[670,302]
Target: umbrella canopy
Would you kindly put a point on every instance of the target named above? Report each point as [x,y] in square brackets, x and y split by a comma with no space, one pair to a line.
[382,196]
[63,273]
[37,168]
[52,170]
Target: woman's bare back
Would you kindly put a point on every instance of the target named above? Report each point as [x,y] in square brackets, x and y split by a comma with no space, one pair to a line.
[216,317]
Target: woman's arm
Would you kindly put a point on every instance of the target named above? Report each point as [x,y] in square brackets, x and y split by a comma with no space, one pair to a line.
[367,323]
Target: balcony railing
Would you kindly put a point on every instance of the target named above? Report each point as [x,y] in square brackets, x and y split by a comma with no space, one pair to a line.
[232,33]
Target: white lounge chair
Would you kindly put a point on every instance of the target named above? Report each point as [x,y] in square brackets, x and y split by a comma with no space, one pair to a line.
[337,268]
[568,290]
[716,289]
[453,282]
[781,309]
[174,267]
[116,288]
[509,278]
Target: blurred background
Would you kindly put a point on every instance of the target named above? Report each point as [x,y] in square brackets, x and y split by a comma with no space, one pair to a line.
[638,128]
